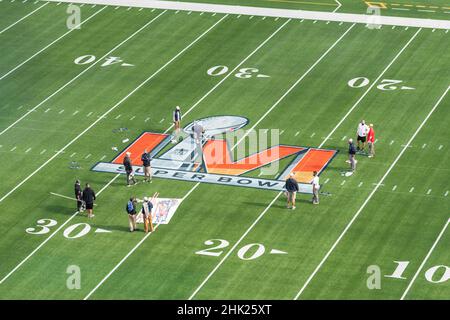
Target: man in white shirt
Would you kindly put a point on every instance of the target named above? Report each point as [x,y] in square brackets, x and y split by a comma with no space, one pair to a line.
[316,186]
[363,130]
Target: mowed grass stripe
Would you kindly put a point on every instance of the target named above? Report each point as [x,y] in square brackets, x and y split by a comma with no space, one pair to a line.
[81,73]
[115,106]
[23,18]
[50,44]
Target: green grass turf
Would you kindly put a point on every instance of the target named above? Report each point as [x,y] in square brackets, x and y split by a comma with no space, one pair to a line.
[395,226]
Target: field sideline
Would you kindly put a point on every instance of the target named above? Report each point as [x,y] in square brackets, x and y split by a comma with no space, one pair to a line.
[65,109]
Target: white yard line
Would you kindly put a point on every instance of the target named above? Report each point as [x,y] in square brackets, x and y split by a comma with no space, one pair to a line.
[370,196]
[79,75]
[23,18]
[425,260]
[115,177]
[168,129]
[273,12]
[49,45]
[338,7]
[294,85]
[278,194]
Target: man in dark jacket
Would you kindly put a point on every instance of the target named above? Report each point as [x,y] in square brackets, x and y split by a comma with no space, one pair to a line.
[129,169]
[291,187]
[78,195]
[145,158]
[89,198]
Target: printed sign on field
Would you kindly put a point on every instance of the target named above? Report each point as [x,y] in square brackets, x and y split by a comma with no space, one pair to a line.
[163,210]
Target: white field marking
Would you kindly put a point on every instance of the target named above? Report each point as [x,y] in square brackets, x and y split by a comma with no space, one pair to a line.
[378,184]
[133,117]
[425,260]
[161,120]
[313,135]
[52,235]
[411,190]
[113,107]
[276,251]
[102,158]
[360,184]
[273,12]
[48,109]
[61,111]
[343,138]
[343,182]
[141,9]
[371,86]
[20,107]
[297,133]
[446,193]
[280,193]
[376,140]
[232,71]
[118,117]
[338,7]
[315,21]
[43,151]
[89,114]
[394,188]
[80,74]
[282,131]
[391,143]
[440,147]
[429,191]
[133,250]
[146,120]
[73,154]
[115,177]
[404,145]
[296,83]
[88,156]
[328,179]
[13,148]
[424,145]
[370,195]
[28,150]
[23,18]
[75,112]
[49,45]
[393,27]
[234,246]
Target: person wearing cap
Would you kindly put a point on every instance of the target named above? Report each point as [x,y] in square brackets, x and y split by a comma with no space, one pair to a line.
[292,188]
[146,211]
[316,186]
[129,169]
[362,131]
[176,122]
[351,155]
[146,159]
[131,210]
[371,141]
[78,195]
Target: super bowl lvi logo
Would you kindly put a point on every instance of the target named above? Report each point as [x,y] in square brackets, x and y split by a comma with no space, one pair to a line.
[208,157]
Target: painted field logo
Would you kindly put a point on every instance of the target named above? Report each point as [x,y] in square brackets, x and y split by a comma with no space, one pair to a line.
[210,160]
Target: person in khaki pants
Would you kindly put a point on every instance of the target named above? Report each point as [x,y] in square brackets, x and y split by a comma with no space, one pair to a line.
[131,210]
[147,208]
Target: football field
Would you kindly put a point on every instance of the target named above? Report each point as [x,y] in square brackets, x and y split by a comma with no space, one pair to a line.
[73,99]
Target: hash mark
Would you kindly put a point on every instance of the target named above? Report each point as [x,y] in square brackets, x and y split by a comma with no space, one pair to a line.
[28,150]
[14,148]
[43,151]
[326,181]
[360,184]
[102,157]
[429,191]
[73,154]
[446,194]
[342,183]
[88,156]
[394,188]
[411,190]
[297,133]
[440,147]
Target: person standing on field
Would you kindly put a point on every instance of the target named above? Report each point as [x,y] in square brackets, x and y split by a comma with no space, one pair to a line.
[131,210]
[371,141]
[316,186]
[146,160]
[351,155]
[362,132]
[89,198]
[177,123]
[78,195]
[129,169]
[147,208]
[292,188]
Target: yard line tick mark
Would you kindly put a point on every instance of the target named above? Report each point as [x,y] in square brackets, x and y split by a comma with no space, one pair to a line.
[43,151]
[48,109]
[297,133]
[102,158]
[326,181]
[424,145]
[118,116]
[73,154]
[411,190]
[440,147]
[313,134]
[342,183]
[394,188]
[161,120]
[88,156]
[14,148]
[61,111]
[133,117]
[446,193]
[89,114]
[146,120]
[75,112]
[429,191]
[28,150]
[360,184]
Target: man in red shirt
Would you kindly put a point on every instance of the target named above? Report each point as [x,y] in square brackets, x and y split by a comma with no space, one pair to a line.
[371,141]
